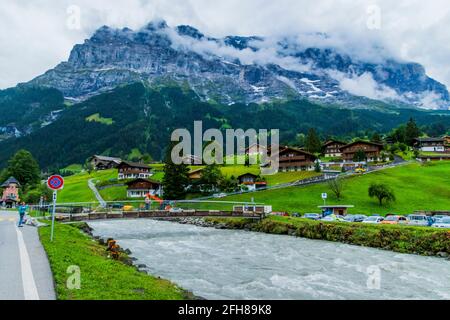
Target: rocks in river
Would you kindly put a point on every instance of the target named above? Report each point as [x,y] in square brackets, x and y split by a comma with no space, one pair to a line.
[443,255]
[126,251]
[201,222]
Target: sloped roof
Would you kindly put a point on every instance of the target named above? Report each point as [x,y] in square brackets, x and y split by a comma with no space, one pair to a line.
[362,141]
[11,180]
[247,174]
[330,141]
[135,164]
[430,139]
[105,158]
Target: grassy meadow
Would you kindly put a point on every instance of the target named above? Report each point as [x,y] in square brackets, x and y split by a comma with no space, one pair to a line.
[416,187]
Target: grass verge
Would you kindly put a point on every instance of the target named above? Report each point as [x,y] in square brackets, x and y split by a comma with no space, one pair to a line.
[101,277]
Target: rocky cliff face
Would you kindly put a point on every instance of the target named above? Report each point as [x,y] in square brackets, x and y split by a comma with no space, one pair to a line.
[237,69]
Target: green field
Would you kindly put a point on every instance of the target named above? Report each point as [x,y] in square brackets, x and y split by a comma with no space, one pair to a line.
[102,278]
[287,177]
[97,118]
[76,187]
[416,186]
[114,193]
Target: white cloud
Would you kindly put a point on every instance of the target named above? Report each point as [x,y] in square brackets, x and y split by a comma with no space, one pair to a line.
[34,35]
[431,100]
[365,86]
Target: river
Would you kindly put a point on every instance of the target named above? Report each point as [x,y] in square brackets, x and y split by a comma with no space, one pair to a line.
[234,264]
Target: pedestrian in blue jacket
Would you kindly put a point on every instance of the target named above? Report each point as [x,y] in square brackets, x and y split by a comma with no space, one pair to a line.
[22,210]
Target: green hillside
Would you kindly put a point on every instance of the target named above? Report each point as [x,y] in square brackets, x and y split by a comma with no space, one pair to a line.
[137,117]
[416,186]
[76,187]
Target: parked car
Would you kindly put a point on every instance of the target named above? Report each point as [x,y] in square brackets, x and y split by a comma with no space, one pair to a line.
[438,218]
[296,215]
[312,216]
[373,220]
[395,219]
[333,218]
[219,195]
[116,206]
[443,223]
[280,214]
[419,220]
[355,218]
[360,170]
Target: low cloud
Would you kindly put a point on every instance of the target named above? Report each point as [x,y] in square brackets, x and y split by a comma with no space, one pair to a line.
[365,86]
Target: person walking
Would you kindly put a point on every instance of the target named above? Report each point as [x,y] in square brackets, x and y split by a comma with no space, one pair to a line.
[22,211]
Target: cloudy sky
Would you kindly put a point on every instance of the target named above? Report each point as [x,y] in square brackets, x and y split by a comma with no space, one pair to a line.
[36,35]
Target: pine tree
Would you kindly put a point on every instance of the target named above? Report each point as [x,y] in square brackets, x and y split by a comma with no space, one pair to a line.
[313,143]
[376,138]
[176,178]
[412,132]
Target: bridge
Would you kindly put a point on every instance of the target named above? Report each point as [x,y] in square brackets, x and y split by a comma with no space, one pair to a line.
[159,214]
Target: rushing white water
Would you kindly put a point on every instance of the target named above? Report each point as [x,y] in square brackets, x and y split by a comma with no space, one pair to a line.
[229,264]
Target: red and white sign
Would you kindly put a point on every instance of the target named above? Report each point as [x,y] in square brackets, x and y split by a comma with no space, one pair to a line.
[55,182]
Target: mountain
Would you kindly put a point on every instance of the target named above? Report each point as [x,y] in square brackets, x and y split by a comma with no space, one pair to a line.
[139,117]
[123,92]
[238,69]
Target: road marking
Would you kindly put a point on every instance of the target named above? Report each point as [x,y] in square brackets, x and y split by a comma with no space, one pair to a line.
[29,285]
[12,219]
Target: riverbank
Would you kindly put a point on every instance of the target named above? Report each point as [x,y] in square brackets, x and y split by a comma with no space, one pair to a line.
[101,278]
[402,239]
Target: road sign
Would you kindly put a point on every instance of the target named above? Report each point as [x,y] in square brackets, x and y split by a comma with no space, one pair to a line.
[324,196]
[55,182]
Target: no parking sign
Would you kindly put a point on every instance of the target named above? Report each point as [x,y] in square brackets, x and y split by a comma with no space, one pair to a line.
[55,183]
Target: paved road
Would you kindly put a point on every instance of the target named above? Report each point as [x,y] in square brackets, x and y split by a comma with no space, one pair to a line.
[94,189]
[24,270]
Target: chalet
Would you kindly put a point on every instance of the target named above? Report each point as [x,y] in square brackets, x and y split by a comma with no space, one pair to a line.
[256,149]
[133,170]
[332,148]
[195,174]
[140,187]
[10,196]
[192,160]
[372,150]
[447,143]
[250,180]
[104,163]
[293,159]
[430,144]
[446,140]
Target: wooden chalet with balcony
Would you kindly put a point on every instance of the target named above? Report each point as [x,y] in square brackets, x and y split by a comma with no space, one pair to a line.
[430,144]
[293,159]
[133,170]
[104,162]
[251,181]
[139,188]
[332,148]
[372,150]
